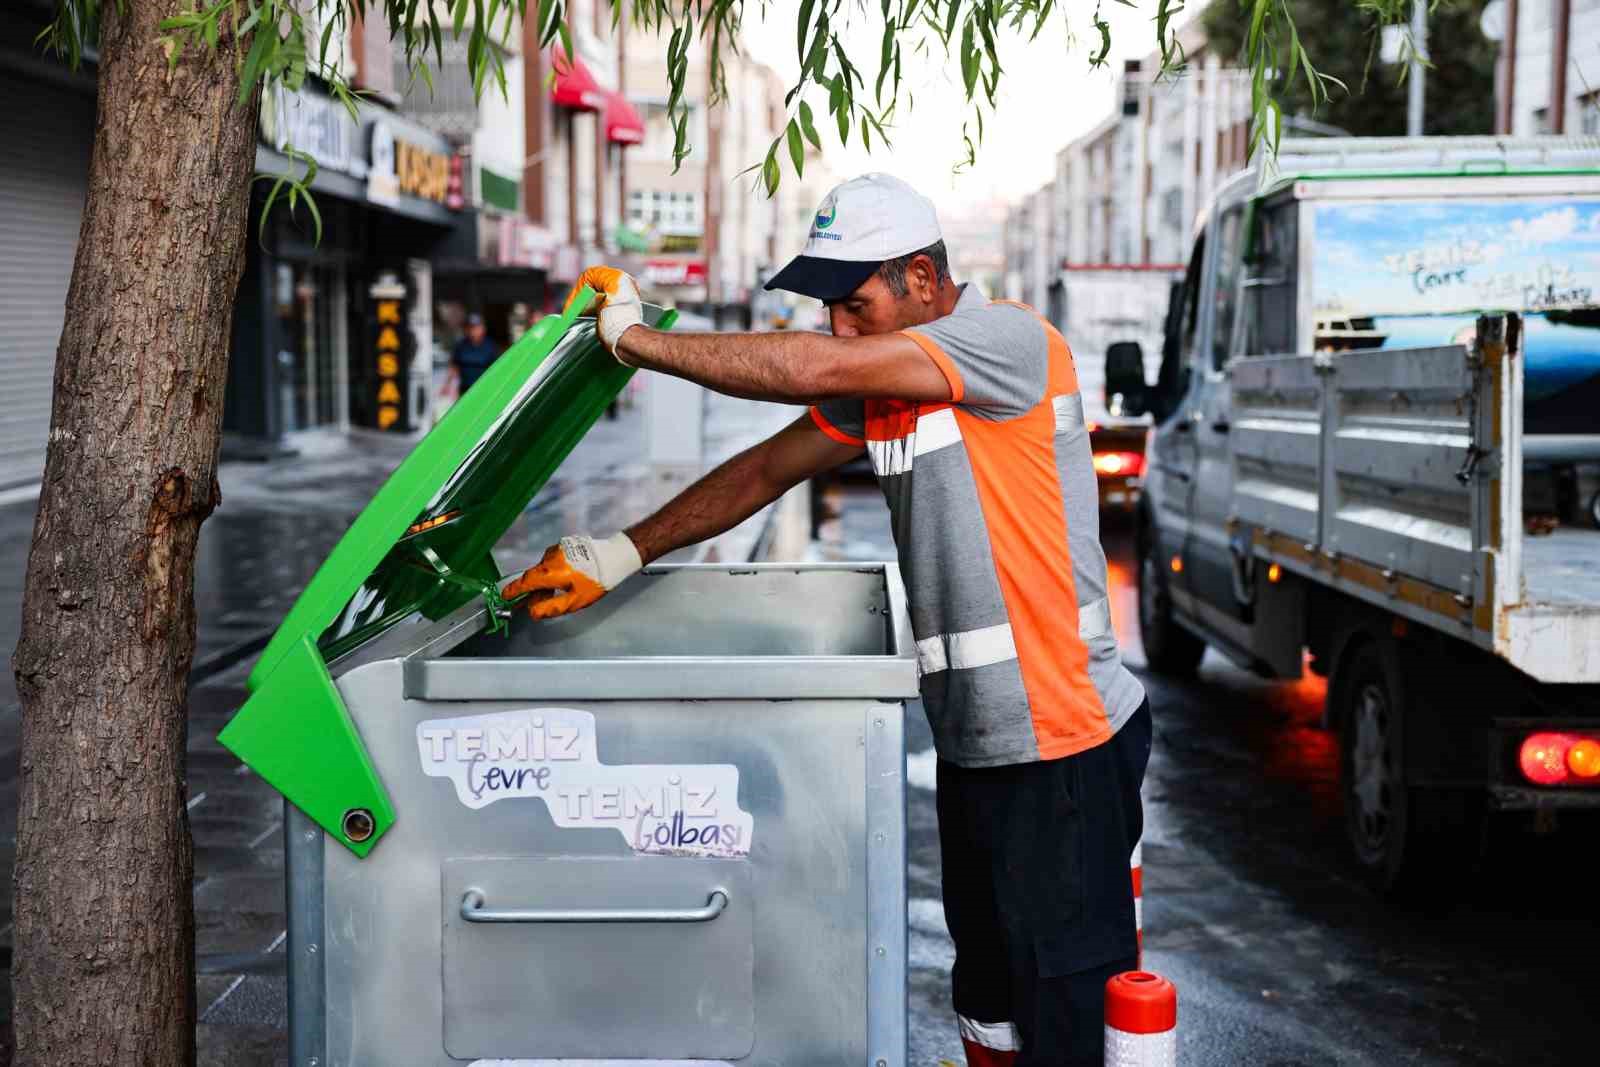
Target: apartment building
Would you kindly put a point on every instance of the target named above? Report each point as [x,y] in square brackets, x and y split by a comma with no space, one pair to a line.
[712,233]
[1127,191]
[1548,77]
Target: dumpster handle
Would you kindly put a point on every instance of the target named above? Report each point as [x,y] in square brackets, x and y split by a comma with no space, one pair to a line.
[472,911]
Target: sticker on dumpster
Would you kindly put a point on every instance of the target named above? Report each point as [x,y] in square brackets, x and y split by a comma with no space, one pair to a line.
[551,753]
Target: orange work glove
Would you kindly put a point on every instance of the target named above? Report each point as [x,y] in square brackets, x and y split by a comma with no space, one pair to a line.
[578,571]
[617,305]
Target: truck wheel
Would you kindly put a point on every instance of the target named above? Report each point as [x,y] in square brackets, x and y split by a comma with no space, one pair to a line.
[1407,841]
[1168,647]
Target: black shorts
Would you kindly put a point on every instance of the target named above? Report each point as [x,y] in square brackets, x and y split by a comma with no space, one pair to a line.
[1038,895]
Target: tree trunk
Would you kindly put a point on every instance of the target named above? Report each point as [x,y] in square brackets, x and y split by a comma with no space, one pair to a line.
[103,971]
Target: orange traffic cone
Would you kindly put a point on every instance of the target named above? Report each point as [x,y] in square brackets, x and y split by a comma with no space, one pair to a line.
[1141,1021]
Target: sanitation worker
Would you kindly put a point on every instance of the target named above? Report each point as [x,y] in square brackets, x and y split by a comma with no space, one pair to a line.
[970,411]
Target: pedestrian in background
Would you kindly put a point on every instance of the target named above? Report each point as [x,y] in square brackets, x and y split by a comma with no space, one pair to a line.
[970,411]
[471,355]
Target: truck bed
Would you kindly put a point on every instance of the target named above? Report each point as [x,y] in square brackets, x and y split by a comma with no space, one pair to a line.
[1395,477]
[1563,567]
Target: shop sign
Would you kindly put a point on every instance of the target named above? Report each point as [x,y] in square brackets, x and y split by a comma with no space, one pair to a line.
[423,174]
[675,272]
[522,244]
[389,347]
[403,168]
[316,125]
[680,242]
[393,166]
[383,186]
[496,190]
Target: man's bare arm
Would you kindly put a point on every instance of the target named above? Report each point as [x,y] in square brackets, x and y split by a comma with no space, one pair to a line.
[739,488]
[791,367]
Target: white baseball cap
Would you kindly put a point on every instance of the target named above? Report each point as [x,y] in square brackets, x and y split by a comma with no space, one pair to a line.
[858,225]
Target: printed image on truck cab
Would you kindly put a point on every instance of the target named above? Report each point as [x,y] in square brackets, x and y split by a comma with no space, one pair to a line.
[1376,455]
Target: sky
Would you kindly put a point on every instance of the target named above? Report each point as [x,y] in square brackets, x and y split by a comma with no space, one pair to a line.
[1048,95]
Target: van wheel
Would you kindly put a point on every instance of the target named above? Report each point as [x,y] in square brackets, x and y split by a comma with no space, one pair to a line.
[1168,647]
[1407,841]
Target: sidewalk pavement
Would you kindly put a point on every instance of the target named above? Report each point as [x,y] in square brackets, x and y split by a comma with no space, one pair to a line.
[276,524]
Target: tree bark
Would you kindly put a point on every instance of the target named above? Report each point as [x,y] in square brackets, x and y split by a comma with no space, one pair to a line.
[103,969]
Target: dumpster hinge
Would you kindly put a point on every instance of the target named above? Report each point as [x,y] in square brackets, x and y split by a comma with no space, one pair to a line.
[496,606]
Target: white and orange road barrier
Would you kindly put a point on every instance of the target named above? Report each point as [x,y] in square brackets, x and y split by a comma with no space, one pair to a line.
[1136,866]
[1141,1021]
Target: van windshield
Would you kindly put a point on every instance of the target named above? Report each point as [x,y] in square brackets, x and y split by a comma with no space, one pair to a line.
[1408,273]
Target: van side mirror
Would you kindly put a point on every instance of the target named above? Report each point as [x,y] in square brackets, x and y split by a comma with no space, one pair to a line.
[1125,384]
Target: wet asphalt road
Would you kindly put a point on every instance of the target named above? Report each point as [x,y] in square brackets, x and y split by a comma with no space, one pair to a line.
[1281,954]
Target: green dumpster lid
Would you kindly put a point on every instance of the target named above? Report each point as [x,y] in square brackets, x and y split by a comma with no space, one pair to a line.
[419,550]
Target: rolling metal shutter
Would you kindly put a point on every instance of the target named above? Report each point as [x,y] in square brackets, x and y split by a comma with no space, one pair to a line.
[48,132]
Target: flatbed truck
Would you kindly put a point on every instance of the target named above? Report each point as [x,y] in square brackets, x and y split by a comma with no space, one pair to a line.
[1376,425]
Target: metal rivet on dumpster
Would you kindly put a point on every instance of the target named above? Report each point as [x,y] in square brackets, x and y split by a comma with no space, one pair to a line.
[358,824]
[883,1063]
[880,839]
[877,722]
[311,835]
[882,951]
[312,948]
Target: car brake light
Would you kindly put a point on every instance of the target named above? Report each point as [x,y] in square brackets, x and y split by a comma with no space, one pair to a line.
[1115,464]
[1560,759]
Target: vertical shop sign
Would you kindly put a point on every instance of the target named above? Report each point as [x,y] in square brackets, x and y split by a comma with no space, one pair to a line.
[389,345]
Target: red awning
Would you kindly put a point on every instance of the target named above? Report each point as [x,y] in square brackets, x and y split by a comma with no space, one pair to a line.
[623,124]
[575,86]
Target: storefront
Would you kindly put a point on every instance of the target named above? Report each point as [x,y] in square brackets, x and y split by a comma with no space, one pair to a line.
[46,130]
[336,332]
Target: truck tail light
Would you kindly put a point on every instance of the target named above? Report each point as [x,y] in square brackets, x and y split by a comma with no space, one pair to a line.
[1583,758]
[1118,464]
[1548,758]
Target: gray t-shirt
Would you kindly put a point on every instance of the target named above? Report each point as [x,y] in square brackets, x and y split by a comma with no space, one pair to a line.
[996,521]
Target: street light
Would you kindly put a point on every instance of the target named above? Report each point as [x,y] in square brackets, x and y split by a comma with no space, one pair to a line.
[1492,24]
[1415,99]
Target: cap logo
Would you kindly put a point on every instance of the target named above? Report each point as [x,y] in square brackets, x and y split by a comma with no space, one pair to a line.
[827,213]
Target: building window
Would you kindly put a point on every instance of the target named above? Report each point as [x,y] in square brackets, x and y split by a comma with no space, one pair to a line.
[449,105]
[670,214]
[1172,209]
[1589,114]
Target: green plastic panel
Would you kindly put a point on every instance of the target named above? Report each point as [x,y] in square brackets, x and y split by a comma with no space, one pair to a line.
[419,550]
[296,733]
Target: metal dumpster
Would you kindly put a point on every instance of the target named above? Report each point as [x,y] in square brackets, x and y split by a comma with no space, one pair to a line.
[667,829]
